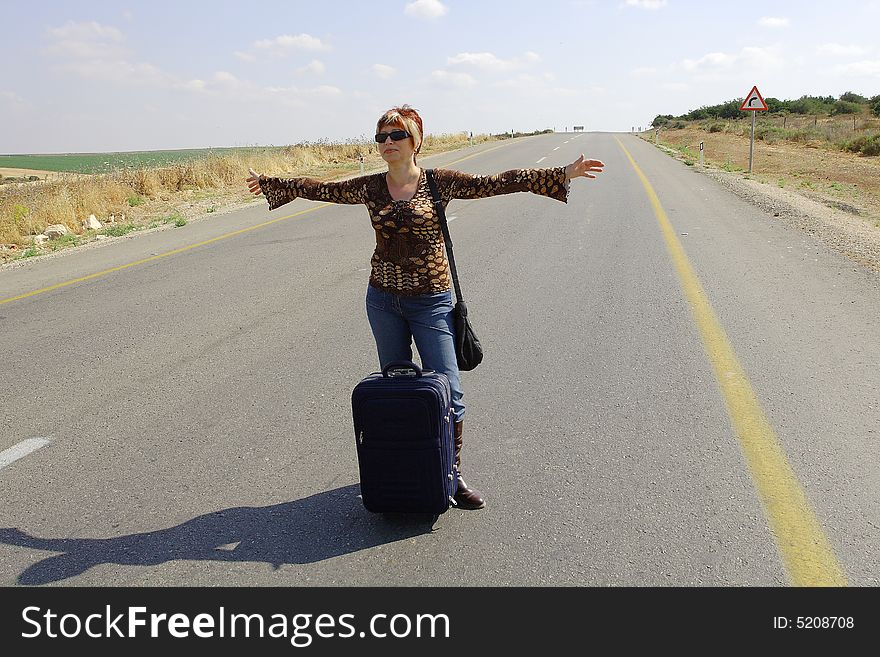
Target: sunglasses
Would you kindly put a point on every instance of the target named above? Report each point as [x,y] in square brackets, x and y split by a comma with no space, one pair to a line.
[396,135]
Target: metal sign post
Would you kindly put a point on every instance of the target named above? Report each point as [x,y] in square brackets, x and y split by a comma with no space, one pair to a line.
[753,103]
[752,141]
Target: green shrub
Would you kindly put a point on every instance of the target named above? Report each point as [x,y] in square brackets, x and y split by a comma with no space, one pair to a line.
[716,127]
[844,107]
[134,201]
[875,106]
[866,145]
[71,239]
[20,213]
[119,230]
[851,97]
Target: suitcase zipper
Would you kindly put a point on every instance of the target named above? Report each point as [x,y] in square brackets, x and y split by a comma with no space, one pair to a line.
[361,438]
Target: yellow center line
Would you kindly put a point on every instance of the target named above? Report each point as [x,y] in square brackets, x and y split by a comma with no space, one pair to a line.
[159,256]
[805,551]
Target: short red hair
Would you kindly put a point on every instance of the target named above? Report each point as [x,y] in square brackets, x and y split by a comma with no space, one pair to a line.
[407,117]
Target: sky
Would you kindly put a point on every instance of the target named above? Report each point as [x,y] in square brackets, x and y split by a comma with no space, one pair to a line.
[122,75]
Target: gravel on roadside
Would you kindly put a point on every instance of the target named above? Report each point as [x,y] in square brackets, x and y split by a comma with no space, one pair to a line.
[836,225]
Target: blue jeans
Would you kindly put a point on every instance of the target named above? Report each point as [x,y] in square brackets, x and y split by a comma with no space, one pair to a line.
[398,319]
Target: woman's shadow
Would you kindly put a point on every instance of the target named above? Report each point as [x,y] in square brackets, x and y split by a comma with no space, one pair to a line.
[319,527]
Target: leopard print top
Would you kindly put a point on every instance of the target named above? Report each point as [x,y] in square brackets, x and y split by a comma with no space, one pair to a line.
[410,257]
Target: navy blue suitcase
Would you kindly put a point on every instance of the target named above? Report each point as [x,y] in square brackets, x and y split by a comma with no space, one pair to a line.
[403,433]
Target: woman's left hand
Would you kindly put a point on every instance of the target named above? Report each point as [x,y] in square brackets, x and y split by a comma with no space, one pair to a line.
[583,168]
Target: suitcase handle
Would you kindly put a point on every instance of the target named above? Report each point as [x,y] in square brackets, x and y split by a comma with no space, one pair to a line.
[402,365]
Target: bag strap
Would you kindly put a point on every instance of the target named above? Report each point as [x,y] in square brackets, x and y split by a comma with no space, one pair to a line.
[441,214]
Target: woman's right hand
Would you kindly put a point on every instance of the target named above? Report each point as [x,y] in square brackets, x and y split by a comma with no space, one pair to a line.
[254,182]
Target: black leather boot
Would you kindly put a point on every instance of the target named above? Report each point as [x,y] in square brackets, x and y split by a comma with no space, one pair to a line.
[466,498]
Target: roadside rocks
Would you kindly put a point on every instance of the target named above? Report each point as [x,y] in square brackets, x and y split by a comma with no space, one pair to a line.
[58,230]
[91,223]
[55,231]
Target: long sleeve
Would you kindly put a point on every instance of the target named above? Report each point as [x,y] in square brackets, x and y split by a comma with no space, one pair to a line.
[279,191]
[545,182]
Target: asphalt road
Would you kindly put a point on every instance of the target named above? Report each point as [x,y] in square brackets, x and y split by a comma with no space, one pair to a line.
[647,414]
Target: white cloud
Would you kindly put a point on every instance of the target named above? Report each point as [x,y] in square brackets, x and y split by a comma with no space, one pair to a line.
[838,50]
[712,60]
[224,77]
[426,9]
[285,42]
[324,90]
[85,31]
[866,68]
[773,21]
[245,56]
[121,71]
[486,61]
[482,60]
[646,4]
[521,81]
[314,67]
[568,92]
[194,85]
[643,71]
[676,86]
[89,40]
[10,98]
[762,59]
[454,79]
[383,71]
[751,59]
[97,52]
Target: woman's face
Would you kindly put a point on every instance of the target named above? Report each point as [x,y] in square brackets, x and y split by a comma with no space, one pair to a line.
[396,151]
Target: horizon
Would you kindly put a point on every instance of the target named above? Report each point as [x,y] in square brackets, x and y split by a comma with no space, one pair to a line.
[91,79]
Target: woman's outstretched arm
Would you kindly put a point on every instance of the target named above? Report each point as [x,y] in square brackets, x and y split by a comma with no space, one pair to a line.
[553,182]
[279,191]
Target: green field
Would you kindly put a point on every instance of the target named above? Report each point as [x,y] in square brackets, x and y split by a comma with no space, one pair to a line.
[107,162]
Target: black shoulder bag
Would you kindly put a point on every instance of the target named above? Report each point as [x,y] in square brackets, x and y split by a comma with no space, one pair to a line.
[468,350]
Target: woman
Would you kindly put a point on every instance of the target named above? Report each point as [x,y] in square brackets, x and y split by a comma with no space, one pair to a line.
[409,294]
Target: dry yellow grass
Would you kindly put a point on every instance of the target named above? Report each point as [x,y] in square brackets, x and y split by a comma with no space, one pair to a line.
[144,195]
[814,167]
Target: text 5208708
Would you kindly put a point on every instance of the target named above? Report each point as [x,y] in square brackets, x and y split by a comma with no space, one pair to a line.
[814,623]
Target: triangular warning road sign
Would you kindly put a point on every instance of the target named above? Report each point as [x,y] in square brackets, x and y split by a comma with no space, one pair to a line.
[754,102]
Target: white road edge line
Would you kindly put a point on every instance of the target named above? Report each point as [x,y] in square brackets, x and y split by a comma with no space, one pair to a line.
[541,160]
[557,148]
[452,218]
[22,449]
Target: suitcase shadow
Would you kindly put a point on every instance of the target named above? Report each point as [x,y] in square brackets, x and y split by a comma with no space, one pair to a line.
[319,527]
